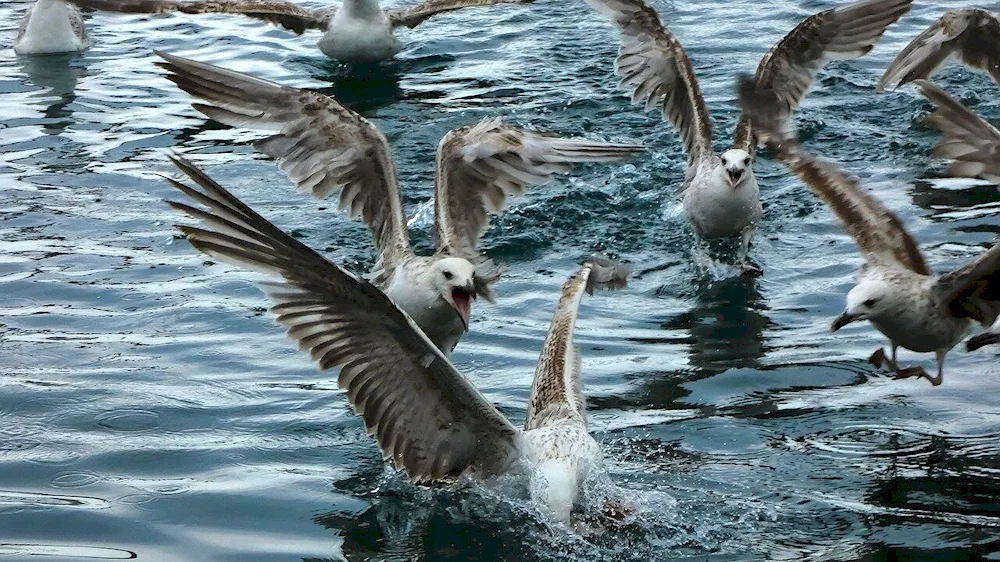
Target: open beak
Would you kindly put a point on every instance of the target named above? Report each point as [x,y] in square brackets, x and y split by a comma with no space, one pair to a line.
[735,175]
[461,299]
[843,320]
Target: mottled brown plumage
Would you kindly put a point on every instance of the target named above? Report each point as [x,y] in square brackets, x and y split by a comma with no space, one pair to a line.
[971,34]
[967,139]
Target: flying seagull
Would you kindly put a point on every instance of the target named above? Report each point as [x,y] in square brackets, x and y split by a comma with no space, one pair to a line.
[971,34]
[966,138]
[325,148]
[720,194]
[358,31]
[51,26]
[896,291]
[425,415]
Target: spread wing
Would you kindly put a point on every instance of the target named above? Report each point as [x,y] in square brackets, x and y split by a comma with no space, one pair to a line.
[972,34]
[415,15]
[428,418]
[843,33]
[557,391]
[479,166]
[653,64]
[973,291]
[279,12]
[966,138]
[322,146]
[878,232]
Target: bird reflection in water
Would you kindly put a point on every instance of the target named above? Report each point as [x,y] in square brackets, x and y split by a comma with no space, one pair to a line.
[56,75]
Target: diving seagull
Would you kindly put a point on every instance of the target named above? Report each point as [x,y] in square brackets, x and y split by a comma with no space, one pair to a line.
[966,138]
[325,148]
[51,26]
[913,307]
[425,415]
[972,34]
[719,194]
[359,31]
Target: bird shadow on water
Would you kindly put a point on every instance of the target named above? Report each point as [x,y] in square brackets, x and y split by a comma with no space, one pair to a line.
[361,87]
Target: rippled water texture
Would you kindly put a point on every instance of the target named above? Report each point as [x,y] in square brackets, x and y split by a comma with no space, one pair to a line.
[149,408]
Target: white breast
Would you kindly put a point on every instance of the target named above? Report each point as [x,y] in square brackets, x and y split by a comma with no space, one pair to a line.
[51,26]
[716,210]
[359,33]
[561,456]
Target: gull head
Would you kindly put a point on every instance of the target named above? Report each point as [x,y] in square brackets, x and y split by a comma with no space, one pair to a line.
[454,280]
[865,301]
[736,167]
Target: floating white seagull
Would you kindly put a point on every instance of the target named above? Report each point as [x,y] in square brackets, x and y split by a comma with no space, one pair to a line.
[720,194]
[427,417]
[972,34]
[358,31]
[51,26]
[896,292]
[325,147]
[967,139]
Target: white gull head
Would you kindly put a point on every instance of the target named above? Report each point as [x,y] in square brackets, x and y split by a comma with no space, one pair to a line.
[453,280]
[735,170]
[869,299]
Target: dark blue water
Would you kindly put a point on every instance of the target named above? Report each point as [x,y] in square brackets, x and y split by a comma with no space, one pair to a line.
[149,408]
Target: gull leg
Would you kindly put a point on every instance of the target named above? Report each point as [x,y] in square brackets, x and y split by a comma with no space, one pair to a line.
[910,372]
[936,381]
[746,268]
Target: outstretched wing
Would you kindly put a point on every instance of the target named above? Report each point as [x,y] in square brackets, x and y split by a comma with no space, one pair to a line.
[973,291]
[419,13]
[843,33]
[322,146]
[290,16]
[479,166]
[972,34]
[966,138]
[652,63]
[878,232]
[557,391]
[425,415]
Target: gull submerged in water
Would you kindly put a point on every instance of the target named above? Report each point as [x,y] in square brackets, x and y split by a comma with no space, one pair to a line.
[358,31]
[51,26]
[720,195]
[425,415]
[325,147]
[913,307]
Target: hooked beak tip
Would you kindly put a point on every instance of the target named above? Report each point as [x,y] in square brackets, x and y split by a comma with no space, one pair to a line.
[843,320]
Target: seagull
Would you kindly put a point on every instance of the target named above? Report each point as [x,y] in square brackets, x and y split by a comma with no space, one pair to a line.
[971,33]
[325,147]
[913,307]
[425,415]
[719,194]
[51,26]
[358,32]
[972,143]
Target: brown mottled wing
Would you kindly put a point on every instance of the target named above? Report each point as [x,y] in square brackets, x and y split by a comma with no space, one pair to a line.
[425,415]
[972,34]
[966,138]
[557,391]
[479,166]
[652,63]
[843,33]
[973,291]
[279,12]
[878,232]
[415,15]
[321,145]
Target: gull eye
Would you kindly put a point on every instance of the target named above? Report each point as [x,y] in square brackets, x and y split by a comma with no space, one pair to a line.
[746,161]
[869,303]
[448,275]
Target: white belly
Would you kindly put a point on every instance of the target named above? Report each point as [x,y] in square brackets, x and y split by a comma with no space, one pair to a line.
[716,210]
[562,456]
[51,27]
[355,40]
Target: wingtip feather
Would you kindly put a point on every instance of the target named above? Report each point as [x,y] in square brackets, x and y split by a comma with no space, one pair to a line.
[606,273]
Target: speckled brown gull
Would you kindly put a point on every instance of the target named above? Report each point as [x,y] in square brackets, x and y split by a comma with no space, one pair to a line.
[326,148]
[720,195]
[357,31]
[425,415]
[971,34]
[913,307]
